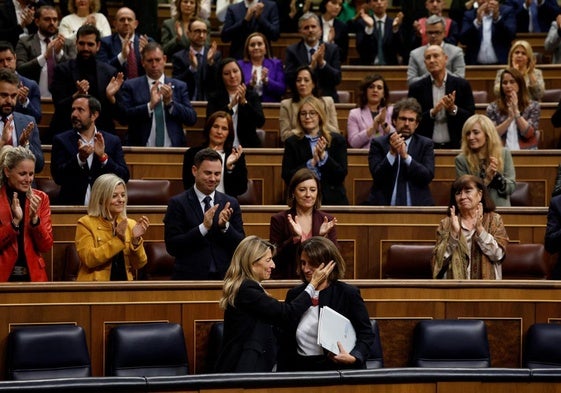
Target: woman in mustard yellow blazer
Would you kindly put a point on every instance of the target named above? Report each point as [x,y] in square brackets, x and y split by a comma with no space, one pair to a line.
[109,244]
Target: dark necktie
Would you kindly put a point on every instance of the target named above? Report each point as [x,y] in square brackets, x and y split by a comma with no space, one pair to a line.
[199,92]
[51,62]
[380,56]
[206,201]
[159,118]
[401,190]
[132,65]
[312,51]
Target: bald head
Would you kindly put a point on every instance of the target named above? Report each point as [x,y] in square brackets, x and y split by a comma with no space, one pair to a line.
[125,22]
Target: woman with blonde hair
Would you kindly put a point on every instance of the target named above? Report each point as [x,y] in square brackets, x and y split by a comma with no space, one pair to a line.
[25,218]
[317,148]
[83,12]
[250,312]
[483,155]
[514,113]
[109,244]
[521,57]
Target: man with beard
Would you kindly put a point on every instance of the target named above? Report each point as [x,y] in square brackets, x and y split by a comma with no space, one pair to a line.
[79,156]
[402,163]
[323,58]
[84,75]
[29,97]
[16,128]
[202,226]
[39,53]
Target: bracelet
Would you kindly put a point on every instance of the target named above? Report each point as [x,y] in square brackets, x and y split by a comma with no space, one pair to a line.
[104,157]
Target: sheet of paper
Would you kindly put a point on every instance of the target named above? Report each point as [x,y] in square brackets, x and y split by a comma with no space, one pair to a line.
[335,327]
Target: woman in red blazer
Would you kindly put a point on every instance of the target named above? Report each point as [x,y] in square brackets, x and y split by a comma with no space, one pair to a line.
[25,218]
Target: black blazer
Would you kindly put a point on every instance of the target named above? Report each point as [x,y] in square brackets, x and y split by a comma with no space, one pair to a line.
[419,173]
[74,179]
[235,182]
[328,77]
[249,341]
[367,45]
[193,251]
[250,115]
[422,92]
[346,300]
[64,86]
[206,74]
[297,152]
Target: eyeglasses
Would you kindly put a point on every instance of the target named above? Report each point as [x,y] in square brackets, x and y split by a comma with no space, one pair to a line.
[308,114]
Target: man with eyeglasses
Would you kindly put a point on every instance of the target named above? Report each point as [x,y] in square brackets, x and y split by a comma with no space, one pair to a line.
[434,31]
[402,163]
[122,48]
[451,29]
[198,64]
[446,100]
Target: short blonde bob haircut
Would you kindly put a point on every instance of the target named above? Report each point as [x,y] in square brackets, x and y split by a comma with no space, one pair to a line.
[95,5]
[102,192]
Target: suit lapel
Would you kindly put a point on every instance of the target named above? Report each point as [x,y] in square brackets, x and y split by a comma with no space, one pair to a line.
[36,45]
[194,203]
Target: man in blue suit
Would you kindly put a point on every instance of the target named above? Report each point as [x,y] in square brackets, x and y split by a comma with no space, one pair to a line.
[247,17]
[80,155]
[17,128]
[402,163]
[154,106]
[29,96]
[202,226]
[122,48]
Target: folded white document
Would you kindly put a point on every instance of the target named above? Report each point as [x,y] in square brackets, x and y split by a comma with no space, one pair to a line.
[335,327]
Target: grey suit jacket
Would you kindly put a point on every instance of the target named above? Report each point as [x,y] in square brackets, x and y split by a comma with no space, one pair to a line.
[417,69]
[28,50]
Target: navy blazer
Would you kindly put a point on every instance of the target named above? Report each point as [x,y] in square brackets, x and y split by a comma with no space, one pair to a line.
[193,251]
[20,122]
[547,12]
[63,88]
[73,178]
[273,91]
[297,152]
[503,32]
[33,108]
[421,90]
[250,344]
[206,73]
[133,99]
[419,173]
[367,45]
[236,29]
[346,300]
[109,51]
[328,77]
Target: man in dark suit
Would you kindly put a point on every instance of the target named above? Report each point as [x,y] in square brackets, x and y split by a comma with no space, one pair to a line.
[80,155]
[122,48]
[402,163]
[29,97]
[197,65]
[534,16]
[84,75]
[203,227]
[378,37]
[487,32]
[446,100]
[16,19]
[323,59]
[17,128]
[154,106]
[38,54]
[247,17]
